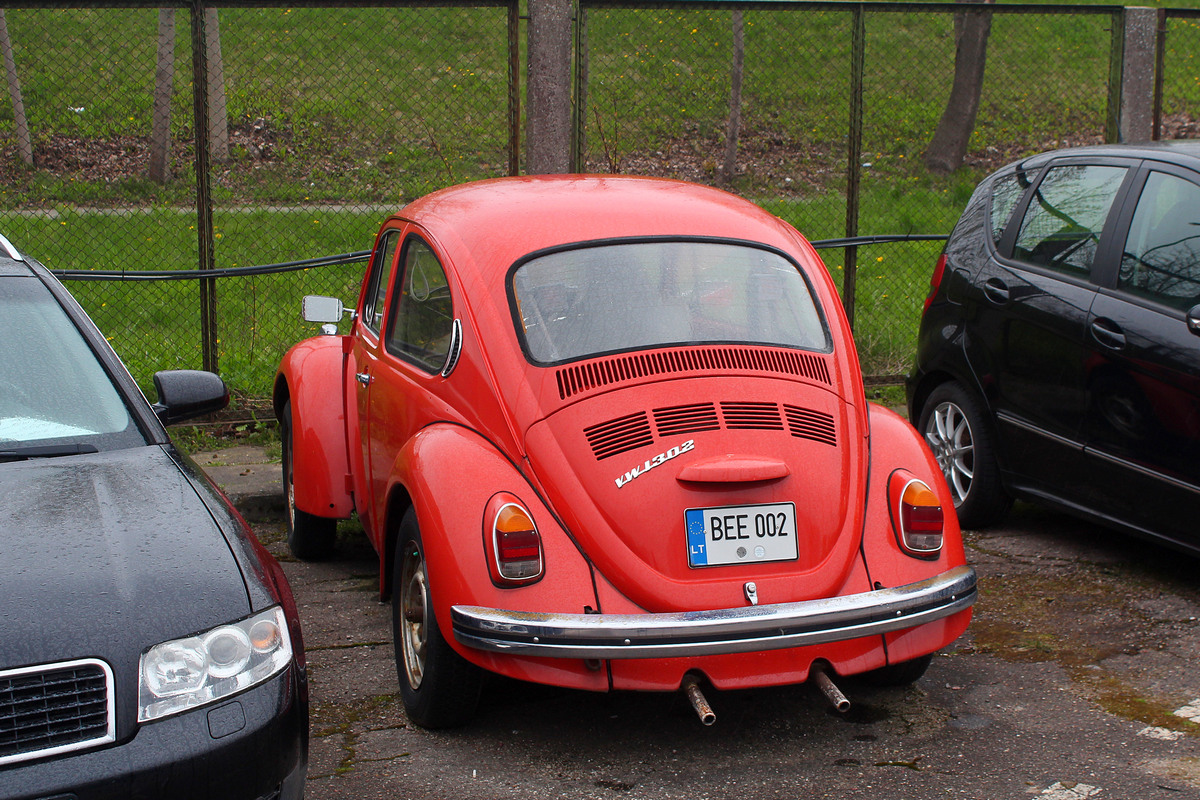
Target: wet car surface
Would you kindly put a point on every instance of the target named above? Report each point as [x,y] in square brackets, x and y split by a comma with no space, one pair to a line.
[1059,354]
[149,645]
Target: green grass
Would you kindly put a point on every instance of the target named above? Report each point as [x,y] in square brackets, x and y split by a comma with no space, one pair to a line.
[330,108]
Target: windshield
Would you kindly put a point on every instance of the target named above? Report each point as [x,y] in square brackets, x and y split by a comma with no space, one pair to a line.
[577,303]
[53,391]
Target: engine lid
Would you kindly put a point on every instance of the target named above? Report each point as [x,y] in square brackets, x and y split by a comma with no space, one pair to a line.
[682,491]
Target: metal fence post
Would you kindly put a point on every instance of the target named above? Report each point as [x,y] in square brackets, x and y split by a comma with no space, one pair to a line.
[204,211]
[514,87]
[579,102]
[854,157]
[1116,58]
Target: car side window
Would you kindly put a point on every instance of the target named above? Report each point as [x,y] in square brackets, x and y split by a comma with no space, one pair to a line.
[1161,259]
[381,273]
[1062,225]
[422,322]
[1006,191]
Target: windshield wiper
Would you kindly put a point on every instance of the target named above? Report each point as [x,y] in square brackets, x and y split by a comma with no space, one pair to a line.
[45,451]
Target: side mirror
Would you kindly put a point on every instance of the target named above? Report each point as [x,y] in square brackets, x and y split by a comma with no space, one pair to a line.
[187,393]
[1193,320]
[316,308]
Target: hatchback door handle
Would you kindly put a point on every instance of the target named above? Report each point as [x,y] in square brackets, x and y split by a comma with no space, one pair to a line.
[363,378]
[995,291]
[1108,334]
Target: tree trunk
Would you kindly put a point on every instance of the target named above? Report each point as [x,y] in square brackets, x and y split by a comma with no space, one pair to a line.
[734,125]
[164,82]
[949,145]
[24,140]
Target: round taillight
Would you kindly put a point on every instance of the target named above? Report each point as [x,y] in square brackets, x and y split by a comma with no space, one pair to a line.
[515,545]
[921,520]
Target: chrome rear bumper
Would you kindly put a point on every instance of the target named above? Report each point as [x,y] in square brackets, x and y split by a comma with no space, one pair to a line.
[728,630]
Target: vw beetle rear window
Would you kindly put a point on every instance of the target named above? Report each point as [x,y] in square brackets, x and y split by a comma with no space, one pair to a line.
[576,303]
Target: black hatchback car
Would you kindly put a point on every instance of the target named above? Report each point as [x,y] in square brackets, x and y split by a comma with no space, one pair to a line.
[1058,356]
[149,645]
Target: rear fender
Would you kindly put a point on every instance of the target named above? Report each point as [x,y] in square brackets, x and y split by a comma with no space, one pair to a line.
[451,472]
[895,445]
[310,376]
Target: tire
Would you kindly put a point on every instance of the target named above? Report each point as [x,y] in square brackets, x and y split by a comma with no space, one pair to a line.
[440,688]
[310,538]
[956,430]
[901,674]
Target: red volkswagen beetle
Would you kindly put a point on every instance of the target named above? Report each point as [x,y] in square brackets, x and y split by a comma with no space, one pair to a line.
[610,433]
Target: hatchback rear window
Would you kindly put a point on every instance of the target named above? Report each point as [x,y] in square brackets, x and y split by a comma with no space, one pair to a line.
[576,303]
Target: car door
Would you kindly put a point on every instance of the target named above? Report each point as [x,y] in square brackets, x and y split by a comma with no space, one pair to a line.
[420,336]
[365,356]
[1030,306]
[1143,420]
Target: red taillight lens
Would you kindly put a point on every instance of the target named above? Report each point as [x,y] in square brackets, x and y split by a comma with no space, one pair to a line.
[516,545]
[917,516]
[935,280]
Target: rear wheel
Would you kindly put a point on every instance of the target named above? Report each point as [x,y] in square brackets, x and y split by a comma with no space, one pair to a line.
[956,430]
[310,538]
[439,687]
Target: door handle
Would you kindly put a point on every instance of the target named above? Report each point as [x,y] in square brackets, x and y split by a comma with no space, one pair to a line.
[1108,334]
[363,378]
[996,291]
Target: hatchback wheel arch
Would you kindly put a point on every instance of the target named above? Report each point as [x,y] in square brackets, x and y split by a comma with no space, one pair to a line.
[958,432]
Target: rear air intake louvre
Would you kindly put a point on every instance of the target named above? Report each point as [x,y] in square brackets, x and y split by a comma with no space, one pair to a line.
[686,419]
[619,435]
[596,374]
[808,424]
[633,430]
[752,416]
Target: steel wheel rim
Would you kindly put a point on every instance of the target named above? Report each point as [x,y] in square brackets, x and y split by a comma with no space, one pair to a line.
[289,486]
[949,436]
[414,608]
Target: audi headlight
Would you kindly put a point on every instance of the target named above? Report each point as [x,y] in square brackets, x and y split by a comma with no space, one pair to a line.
[184,673]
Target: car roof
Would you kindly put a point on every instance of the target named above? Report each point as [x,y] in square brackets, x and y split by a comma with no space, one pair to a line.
[508,218]
[11,261]
[1180,151]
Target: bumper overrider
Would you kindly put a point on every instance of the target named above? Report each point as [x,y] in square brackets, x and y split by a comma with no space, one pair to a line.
[720,631]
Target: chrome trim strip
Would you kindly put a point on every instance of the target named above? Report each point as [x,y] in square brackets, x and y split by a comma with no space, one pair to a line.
[730,630]
[1092,451]
[12,252]
[455,349]
[110,702]
[1146,471]
[1023,425]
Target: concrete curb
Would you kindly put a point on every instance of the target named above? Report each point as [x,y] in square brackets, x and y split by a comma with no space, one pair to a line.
[253,482]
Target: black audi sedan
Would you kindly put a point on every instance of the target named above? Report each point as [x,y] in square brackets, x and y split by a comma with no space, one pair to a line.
[149,645]
[1058,357]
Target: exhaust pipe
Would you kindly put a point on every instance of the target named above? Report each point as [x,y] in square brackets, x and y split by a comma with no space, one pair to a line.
[832,693]
[703,710]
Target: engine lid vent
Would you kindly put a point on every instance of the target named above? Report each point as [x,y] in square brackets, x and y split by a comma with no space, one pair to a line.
[752,416]
[619,435]
[686,419]
[808,424]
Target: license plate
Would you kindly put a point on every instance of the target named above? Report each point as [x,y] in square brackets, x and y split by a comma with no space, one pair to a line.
[741,534]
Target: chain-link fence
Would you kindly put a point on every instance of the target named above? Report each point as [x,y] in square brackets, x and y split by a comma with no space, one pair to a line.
[318,122]
[836,106]
[291,131]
